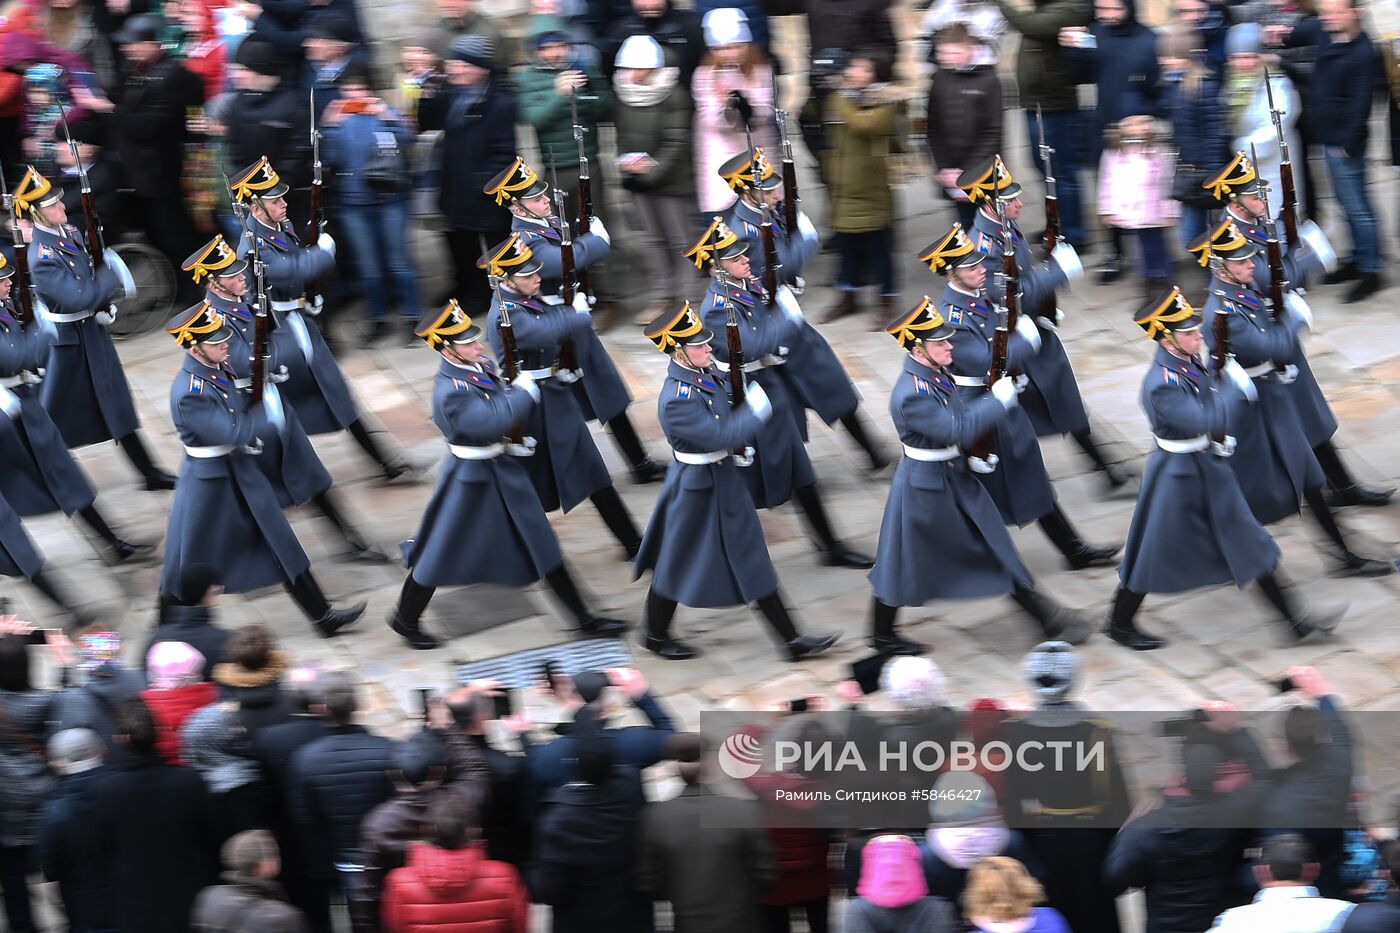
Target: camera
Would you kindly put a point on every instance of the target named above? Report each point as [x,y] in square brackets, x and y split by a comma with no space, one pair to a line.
[1181,728]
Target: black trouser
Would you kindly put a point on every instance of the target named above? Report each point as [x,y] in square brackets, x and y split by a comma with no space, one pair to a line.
[660,610]
[16,862]
[1126,602]
[367,442]
[779,919]
[170,230]
[471,287]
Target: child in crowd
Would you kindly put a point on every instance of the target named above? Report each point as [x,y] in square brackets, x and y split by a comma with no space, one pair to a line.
[964,114]
[1135,185]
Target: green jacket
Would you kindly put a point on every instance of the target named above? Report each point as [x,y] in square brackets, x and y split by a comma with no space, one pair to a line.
[1043,76]
[861,138]
[541,106]
[662,131]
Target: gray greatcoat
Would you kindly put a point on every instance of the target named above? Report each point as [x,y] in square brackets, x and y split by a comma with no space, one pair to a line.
[225,512]
[936,507]
[86,392]
[484,523]
[19,556]
[704,544]
[1192,526]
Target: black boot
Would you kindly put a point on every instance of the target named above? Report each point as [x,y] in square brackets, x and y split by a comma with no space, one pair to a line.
[643,468]
[359,547]
[1078,553]
[1056,621]
[589,625]
[855,425]
[1116,476]
[834,553]
[660,611]
[1304,623]
[406,617]
[845,306]
[615,515]
[135,449]
[798,646]
[1345,489]
[883,638]
[116,551]
[307,594]
[390,469]
[1349,564]
[1121,627]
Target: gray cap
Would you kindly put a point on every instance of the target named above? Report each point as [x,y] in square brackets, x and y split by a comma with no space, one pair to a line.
[474,50]
[75,750]
[1052,670]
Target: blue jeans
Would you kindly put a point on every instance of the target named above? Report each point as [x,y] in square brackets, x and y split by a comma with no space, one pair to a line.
[1153,259]
[1192,224]
[1062,133]
[867,257]
[377,235]
[1349,182]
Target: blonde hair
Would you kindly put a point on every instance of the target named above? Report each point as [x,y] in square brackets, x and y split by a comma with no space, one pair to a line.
[1000,889]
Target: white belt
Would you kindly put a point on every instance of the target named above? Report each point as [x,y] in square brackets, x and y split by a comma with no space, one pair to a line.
[538,374]
[1263,369]
[11,382]
[295,304]
[713,456]
[489,452]
[932,454]
[70,318]
[754,365]
[209,453]
[1190,445]
[979,381]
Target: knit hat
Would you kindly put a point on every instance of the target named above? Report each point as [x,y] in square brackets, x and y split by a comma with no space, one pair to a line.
[726,26]
[215,746]
[590,685]
[1244,39]
[891,872]
[173,664]
[913,683]
[1051,670]
[963,799]
[474,50]
[75,750]
[258,57]
[640,52]
[246,851]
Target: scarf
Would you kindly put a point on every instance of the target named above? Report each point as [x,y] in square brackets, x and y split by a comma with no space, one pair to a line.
[214,745]
[1239,92]
[647,95]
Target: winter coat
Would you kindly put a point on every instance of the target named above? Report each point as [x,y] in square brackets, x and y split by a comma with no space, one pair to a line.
[800,856]
[677,31]
[1379,917]
[25,778]
[194,626]
[636,747]
[926,915]
[719,130]
[461,890]
[272,123]
[1198,122]
[1044,76]
[548,111]
[484,127]
[261,702]
[351,146]
[707,854]
[94,705]
[1123,67]
[661,130]
[384,838]
[848,24]
[861,135]
[335,781]
[71,854]
[1254,134]
[148,125]
[155,823]
[1344,87]
[964,117]
[246,905]
[170,709]
[1135,187]
[1043,920]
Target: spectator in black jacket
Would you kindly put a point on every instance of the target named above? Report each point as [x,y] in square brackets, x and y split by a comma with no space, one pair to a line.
[335,781]
[678,31]
[69,852]
[99,687]
[505,824]
[1381,916]
[476,113]
[194,625]
[964,115]
[836,29]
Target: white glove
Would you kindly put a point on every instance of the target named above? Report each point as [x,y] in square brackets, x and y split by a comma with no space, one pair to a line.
[526,449]
[32,377]
[9,403]
[978,465]
[744,458]
[758,403]
[255,448]
[106,318]
[1004,391]
[1236,374]
[1028,331]
[806,227]
[595,227]
[1021,380]
[326,242]
[280,376]
[123,273]
[316,307]
[787,303]
[1068,260]
[1311,234]
[798,285]
[1295,304]
[1288,374]
[581,303]
[526,383]
[272,405]
[1224,448]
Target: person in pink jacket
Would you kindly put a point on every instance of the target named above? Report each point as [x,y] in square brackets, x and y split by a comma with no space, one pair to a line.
[733,84]
[1135,186]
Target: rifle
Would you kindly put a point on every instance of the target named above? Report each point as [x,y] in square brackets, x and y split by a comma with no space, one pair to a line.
[262,330]
[97,246]
[1220,352]
[770,245]
[1278,279]
[790,196]
[1001,348]
[510,354]
[24,299]
[1052,198]
[585,185]
[1285,170]
[1010,272]
[317,223]
[569,283]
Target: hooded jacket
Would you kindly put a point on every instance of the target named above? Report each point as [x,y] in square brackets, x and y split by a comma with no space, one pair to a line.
[458,889]
[548,111]
[1043,74]
[193,625]
[1124,69]
[677,31]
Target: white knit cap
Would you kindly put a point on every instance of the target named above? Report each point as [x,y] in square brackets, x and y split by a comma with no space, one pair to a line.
[640,52]
[726,26]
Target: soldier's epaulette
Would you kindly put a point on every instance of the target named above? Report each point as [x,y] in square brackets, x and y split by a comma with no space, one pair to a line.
[985,243]
[45,251]
[953,314]
[682,390]
[921,386]
[196,384]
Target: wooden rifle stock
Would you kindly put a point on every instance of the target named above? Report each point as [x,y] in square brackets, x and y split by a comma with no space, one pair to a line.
[770,259]
[584,220]
[569,285]
[510,360]
[1290,204]
[97,247]
[261,335]
[790,195]
[1001,350]
[1220,353]
[24,298]
[737,388]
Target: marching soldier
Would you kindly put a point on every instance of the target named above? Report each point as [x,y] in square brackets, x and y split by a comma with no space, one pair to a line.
[781,469]
[1192,526]
[1237,187]
[287,460]
[225,512]
[1018,482]
[1051,398]
[934,497]
[86,393]
[39,476]
[1276,469]
[566,467]
[815,375]
[601,392]
[484,523]
[315,386]
[704,545]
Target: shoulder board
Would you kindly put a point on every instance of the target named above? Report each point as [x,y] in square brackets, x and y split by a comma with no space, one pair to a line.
[457,384]
[748,227]
[921,386]
[682,390]
[45,251]
[196,384]
[954,315]
[986,244]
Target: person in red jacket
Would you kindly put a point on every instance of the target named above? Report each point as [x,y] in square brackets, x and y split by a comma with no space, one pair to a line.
[175,672]
[449,881]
